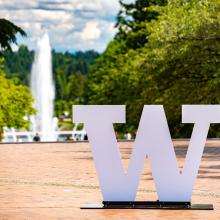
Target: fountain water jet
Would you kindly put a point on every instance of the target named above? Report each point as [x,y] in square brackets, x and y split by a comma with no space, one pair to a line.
[43,91]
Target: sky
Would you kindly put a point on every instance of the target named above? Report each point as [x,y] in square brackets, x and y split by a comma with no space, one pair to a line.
[71,24]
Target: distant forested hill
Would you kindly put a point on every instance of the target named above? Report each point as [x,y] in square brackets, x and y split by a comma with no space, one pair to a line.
[70,73]
[18,64]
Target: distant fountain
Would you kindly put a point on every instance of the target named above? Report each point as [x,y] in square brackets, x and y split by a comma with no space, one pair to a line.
[43,91]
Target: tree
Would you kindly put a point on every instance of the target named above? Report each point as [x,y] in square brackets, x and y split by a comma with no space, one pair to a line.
[8,32]
[71,90]
[132,21]
[115,80]
[183,58]
[18,64]
[179,64]
[16,102]
[70,73]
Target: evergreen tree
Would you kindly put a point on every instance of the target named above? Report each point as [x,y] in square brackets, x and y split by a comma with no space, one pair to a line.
[132,21]
[8,32]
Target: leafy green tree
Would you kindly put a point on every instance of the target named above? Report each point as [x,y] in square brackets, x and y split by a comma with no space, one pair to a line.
[115,80]
[183,58]
[71,90]
[16,102]
[178,65]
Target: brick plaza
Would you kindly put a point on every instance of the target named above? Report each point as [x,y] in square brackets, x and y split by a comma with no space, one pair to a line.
[52,180]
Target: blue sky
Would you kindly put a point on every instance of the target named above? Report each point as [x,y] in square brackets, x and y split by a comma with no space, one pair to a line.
[71,24]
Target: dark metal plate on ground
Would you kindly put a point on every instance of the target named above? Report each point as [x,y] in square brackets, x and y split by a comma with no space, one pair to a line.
[149,205]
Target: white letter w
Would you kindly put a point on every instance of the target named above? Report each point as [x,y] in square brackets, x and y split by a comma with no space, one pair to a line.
[154,141]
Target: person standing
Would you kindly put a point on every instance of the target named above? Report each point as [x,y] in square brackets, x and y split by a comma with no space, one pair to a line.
[36,138]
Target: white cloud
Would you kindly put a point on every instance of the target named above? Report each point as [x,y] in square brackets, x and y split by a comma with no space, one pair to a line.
[72,24]
[91,31]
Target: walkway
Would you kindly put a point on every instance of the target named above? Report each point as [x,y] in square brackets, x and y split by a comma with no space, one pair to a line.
[51,181]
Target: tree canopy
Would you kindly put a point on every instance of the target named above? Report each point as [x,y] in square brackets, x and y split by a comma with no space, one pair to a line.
[8,32]
[16,102]
[179,64]
[132,21]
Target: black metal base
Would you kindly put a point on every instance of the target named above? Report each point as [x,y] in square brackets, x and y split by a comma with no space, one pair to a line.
[150,205]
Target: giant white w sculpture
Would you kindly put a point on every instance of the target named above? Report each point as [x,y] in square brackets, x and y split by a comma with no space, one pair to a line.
[154,141]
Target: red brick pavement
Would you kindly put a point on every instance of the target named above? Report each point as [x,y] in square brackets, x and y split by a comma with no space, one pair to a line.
[51,181]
